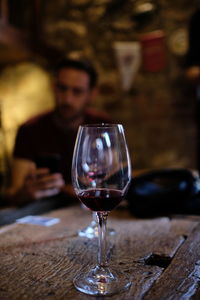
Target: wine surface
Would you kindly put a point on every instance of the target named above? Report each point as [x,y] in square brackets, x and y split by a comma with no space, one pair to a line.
[101,199]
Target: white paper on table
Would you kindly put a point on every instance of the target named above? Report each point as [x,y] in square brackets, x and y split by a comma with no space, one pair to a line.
[38,220]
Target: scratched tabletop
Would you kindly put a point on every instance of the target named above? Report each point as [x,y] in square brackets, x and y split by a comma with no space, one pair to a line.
[161,256]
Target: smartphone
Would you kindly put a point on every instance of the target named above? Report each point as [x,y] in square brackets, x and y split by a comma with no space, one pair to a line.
[50,161]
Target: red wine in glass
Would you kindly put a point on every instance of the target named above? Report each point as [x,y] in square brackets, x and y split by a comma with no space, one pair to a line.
[101,174]
[101,199]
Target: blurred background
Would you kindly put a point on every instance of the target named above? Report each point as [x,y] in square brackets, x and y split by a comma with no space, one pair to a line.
[139,49]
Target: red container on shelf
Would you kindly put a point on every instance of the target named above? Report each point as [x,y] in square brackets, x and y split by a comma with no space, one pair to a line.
[153,51]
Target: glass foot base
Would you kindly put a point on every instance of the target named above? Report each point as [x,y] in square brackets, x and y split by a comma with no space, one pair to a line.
[91,231]
[101,282]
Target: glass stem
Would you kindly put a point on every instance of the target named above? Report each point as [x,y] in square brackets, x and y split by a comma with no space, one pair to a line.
[102,253]
[94,218]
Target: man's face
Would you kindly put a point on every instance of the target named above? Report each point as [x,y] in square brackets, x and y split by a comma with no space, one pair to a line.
[72,92]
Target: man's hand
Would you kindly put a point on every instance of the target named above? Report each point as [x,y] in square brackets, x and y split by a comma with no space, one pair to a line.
[29,183]
[40,183]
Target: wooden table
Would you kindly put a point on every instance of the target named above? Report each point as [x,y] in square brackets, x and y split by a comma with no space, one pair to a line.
[161,256]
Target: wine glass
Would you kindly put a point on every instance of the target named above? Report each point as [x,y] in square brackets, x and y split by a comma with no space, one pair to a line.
[101,174]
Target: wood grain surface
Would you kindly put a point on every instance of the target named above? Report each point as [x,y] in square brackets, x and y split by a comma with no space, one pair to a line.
[161,256]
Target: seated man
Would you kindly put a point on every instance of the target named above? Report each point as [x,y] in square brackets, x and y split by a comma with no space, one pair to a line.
[53,133]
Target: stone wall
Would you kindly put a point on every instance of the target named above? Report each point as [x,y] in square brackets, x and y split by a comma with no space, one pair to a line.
[158,110]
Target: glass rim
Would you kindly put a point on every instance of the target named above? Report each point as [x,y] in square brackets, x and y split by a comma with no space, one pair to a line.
[101,125]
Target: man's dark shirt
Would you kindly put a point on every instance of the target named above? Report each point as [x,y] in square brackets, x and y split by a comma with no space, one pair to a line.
[44,135]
